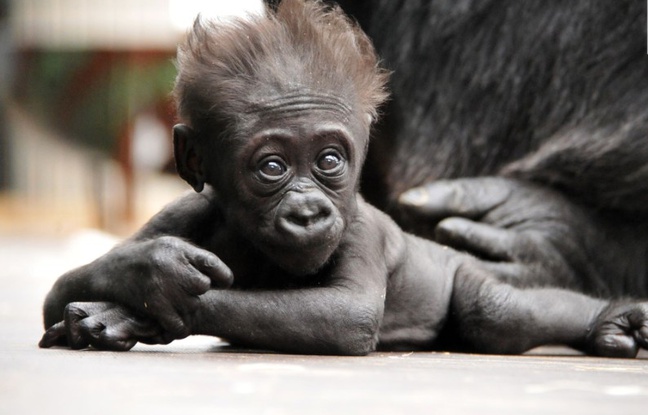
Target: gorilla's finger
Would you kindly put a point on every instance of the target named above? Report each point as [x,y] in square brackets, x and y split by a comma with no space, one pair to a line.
[170,320]
[194,282]
[468,198]
[481,240]
[54,336]
[144,330]
[141,329]
[157,339]
[638,321]
[220,275]
[74,314]
[115,336]
[616,345]
[113,327]
[114,342]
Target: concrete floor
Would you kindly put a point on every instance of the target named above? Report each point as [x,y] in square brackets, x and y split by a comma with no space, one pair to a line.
[201,375]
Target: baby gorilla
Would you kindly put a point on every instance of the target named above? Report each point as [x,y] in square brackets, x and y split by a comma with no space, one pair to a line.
[277,112]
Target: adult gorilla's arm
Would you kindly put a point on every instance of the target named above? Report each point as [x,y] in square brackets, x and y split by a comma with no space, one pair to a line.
[163,257]
[550,92]
[529,234]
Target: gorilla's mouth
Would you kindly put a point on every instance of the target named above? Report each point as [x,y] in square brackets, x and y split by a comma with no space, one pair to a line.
[303,257]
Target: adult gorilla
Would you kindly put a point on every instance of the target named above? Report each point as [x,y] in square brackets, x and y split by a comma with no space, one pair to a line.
[541,108]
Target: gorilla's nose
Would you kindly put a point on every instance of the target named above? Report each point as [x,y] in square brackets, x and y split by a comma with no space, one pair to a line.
[305,214]
[309,214]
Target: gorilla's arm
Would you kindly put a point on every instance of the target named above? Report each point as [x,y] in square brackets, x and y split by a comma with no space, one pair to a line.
[528,234]
[340,315]
[159,271]
[494,317]
[341,319]
[488,90]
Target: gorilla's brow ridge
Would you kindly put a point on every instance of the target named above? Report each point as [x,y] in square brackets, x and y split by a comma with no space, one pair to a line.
[300,101]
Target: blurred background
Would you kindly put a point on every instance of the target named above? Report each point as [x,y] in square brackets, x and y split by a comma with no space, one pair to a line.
[85,110]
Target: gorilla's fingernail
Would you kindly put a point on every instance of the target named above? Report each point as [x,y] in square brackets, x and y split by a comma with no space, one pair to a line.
[414,197]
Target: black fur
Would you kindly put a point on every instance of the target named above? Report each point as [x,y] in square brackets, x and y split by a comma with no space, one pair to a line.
[553,91]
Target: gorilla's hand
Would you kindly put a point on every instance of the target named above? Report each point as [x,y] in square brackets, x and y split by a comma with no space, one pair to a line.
[104,326]
[159,278]
[163,277]
[620,330]
[525,233]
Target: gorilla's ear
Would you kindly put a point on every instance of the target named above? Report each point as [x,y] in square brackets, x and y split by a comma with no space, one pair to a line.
[187,160]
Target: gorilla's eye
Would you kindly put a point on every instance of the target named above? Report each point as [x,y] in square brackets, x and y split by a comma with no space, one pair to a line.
[330,162]
[272,169]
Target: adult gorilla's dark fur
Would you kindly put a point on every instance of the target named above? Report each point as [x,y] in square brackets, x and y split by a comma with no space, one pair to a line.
[554,92]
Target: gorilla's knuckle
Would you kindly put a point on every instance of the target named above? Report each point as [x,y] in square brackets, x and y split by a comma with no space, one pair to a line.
[158,263]
[615,345]
[73,306]
[166,240]
[87,326]
[179,331]
[167,245]
[162,253]
[76,309]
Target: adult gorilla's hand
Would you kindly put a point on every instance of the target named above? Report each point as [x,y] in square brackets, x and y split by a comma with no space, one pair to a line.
[159,278]
[525,233]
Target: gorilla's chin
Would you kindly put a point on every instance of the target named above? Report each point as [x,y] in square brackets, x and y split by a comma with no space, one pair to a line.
[302,261]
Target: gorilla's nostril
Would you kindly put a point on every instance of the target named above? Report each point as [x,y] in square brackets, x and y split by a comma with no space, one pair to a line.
[306,217]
